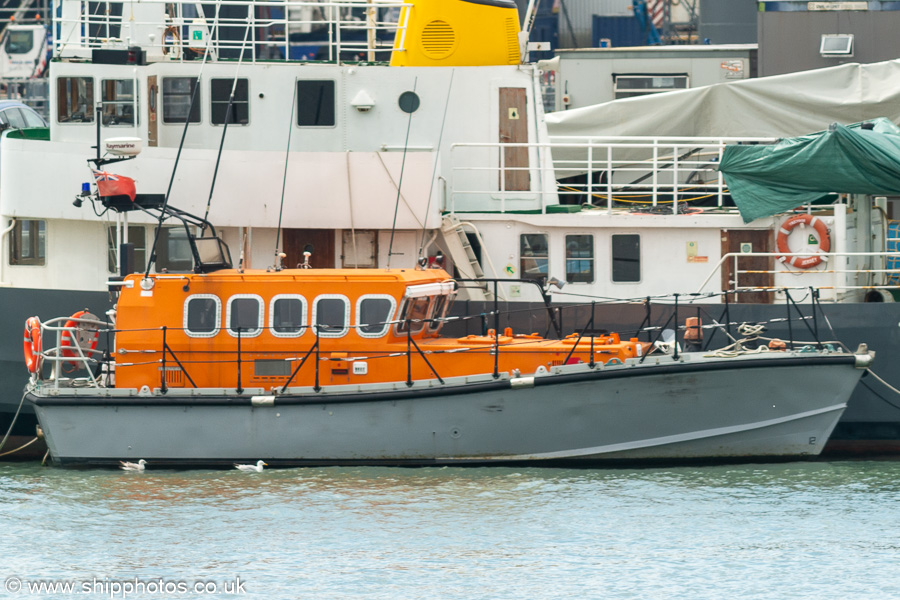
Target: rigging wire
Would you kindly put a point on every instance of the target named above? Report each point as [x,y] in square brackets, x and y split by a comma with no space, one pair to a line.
[436,162]
[187,122]
[400,181]
[287,154]
[228,110]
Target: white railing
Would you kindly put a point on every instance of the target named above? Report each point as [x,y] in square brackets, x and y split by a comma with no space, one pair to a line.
[356,30]
[888,278]
[602,171]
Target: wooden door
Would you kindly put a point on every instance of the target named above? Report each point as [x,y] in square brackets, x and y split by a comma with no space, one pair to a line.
[742,241]
[152,100]
[322,241]
[514,130]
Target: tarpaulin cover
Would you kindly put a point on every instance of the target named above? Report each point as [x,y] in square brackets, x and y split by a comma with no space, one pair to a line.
[767,180]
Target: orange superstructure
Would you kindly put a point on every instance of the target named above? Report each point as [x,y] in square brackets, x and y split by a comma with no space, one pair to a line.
[253,329]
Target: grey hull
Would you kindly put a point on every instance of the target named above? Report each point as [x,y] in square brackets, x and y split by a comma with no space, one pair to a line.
[698,408]
[869,426]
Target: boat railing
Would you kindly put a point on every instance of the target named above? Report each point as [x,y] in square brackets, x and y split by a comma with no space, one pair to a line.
[74,346]
[658,173]
[829,276]
[668,310]
[177,30]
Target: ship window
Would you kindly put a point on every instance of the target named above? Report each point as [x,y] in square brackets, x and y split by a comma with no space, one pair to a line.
[331,314]
[626,258]
[75,99]
[173,251]
[414,311]
[287,315]
[579,259]
[534,256]
[438,310]
[176,92]
[220,92]
[19,42]
[27,242]
[201,315]
[119,102]
[135,236]
[373,314]
[839,44]
[315,103]
[628,86]
[14,117]
[245,313]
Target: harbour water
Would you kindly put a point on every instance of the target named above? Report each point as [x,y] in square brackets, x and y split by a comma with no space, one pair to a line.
[792,530]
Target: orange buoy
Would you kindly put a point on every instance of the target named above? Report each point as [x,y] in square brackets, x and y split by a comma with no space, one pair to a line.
[803,262]
[32,345]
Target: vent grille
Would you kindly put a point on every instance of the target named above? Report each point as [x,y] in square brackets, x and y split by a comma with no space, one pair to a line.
[174,377]
[438,39]
[512,41]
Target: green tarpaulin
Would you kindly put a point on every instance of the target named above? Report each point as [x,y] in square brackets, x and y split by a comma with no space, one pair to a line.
[767,180]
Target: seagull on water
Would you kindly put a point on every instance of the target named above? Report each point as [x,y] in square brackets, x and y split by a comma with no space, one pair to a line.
[130,466]
[257,468]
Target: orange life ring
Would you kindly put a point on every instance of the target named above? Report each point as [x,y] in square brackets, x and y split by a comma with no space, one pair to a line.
[784,231]
[32,345]
[83,335]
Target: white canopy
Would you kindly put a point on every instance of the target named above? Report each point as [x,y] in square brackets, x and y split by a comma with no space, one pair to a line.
[778,106]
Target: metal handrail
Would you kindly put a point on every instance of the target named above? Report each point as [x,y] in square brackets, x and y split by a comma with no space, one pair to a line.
[275,32]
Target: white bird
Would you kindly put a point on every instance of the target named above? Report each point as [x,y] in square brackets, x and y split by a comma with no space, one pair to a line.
[130,466]
[257,468]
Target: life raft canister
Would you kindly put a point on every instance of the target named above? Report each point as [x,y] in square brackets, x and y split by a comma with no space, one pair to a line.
[803,262]
[84,335]
[32,345]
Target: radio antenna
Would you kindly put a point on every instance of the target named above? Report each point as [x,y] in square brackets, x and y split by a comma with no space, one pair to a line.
[409,103]
[287,154]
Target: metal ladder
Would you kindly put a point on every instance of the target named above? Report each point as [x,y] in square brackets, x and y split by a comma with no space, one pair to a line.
[463,256]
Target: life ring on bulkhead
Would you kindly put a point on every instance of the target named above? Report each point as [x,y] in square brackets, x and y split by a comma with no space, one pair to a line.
[32,345]
[84,335]
[803,262]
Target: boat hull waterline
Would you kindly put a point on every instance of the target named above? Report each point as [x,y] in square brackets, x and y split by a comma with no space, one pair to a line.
[697,407]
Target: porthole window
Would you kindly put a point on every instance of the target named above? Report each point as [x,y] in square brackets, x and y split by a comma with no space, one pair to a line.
[287,315]
[202,313]
[438,311]
[331,315]
[245,312]
[373,315]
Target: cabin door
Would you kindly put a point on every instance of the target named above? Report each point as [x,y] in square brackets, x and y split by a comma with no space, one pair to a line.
[514,130]
[743,241]
[152,99]
[322,241]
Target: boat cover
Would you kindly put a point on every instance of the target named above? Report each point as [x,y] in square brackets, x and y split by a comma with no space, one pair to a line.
[863,158]
[777,106]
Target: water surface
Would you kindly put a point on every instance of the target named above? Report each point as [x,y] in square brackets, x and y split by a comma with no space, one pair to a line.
[794,530]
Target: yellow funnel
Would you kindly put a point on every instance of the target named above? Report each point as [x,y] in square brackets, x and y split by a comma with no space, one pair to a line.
[457,33]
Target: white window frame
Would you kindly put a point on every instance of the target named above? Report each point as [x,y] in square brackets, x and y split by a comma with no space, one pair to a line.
[259,321]
[315,312]
[844,52]
[387,325]
[304,325]
[203,334]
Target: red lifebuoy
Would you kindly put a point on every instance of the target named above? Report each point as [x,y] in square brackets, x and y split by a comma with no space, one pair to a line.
[32,345]
[803,262]
[83,335]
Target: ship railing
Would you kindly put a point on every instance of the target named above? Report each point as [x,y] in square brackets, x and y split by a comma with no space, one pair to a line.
[665,173]
[740,337]
[33,92]
[828,276]
[179,30]
[68,354]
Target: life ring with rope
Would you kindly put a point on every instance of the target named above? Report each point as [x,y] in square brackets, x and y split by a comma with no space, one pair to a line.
[77,333]
[32,345]
[803,262]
